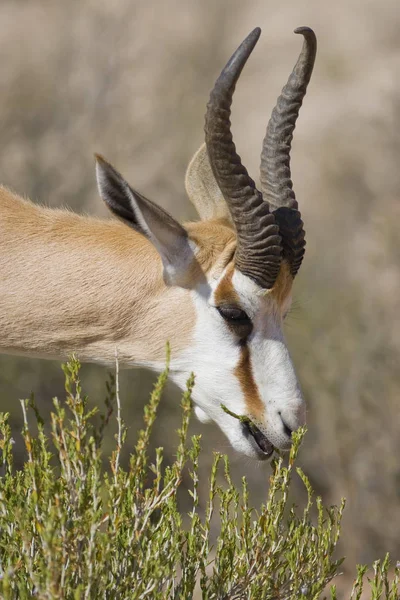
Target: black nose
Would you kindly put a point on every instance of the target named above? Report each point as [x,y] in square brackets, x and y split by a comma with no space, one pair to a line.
[288,431]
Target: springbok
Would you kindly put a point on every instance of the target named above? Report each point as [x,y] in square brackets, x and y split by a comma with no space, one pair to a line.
[217,289]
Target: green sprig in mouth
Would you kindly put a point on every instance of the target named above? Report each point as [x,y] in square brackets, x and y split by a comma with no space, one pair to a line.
[252,430]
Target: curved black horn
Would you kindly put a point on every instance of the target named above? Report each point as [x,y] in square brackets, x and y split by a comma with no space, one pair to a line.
[276,183]
[258,253]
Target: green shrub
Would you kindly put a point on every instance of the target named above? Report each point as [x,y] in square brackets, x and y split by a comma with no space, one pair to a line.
[70,528]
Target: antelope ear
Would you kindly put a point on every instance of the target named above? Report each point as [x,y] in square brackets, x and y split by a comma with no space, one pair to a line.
[203,190]
[156,224]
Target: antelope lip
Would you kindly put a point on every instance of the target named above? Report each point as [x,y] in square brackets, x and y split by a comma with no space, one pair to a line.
[263,444]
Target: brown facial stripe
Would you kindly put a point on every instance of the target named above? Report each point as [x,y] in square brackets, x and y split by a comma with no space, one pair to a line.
[225,292]
[244,373]
[226,295]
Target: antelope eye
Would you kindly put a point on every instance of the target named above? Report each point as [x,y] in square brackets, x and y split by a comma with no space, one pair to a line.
[232,313]
[237,320]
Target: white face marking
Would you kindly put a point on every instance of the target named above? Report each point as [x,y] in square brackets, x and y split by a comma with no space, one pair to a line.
[214,356]
[275,378]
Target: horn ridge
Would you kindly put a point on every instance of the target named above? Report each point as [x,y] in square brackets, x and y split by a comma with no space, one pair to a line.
[275,175]
[276,183]
[257,256]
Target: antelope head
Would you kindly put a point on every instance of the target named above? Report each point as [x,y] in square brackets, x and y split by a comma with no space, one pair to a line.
[235,268]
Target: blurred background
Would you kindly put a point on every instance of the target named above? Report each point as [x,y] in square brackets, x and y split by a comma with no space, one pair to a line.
[130,79]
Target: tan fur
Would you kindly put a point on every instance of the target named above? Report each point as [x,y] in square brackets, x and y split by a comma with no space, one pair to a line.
[71,283]
[283,285]
[216,243]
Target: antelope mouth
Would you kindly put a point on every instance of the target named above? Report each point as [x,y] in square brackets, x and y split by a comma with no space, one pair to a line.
[264,447]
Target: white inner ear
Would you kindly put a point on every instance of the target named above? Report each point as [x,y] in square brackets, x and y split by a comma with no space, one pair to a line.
[168,239]
[202,188]
[167,235]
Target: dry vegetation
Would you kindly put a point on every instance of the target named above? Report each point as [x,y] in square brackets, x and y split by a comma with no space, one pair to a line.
[130,79]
